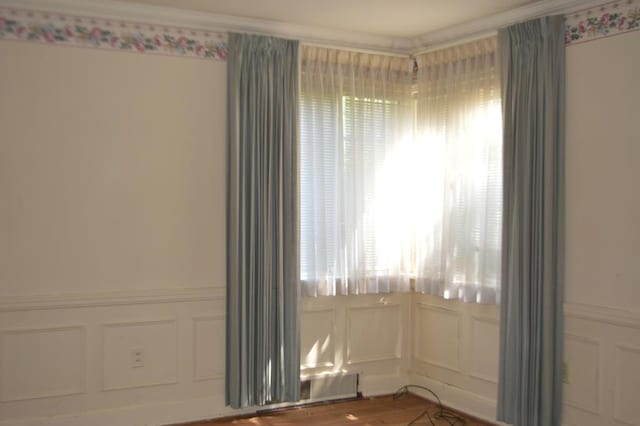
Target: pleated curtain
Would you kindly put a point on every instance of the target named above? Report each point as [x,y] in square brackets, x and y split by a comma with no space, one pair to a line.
[531,322]
[263,337]
[458,160]
[356,125]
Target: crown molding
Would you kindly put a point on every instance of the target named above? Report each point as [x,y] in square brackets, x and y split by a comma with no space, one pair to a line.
[486,26]
[173,17]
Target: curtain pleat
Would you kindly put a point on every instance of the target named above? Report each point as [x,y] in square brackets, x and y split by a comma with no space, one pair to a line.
[356,123]
[459,149]
[531,322]
[263,337]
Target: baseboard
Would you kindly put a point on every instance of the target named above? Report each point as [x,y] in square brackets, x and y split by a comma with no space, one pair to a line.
[184,411]
[381,385]
[149,414]
[468,402]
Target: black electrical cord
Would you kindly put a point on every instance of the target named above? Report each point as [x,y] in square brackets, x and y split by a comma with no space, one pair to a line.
[448,416]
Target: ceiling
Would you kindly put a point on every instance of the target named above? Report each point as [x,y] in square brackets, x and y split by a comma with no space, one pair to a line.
[390,18]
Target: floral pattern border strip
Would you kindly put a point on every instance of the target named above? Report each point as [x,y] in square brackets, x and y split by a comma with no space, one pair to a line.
[58,29]
[602,21]
[65,30]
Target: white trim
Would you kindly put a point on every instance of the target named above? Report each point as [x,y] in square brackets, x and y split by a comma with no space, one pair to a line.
[577,404]
[327,364]
[82,389]
[603,314]
[376,385]
[487,320]
[616,415]
[74,301]
[444,311]
[144,322]
[451,396]
[310,35]
[305,368]
[158,413]
[194,364]
[397,355]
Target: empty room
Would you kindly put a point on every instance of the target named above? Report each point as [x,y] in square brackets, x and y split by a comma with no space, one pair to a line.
[321,212]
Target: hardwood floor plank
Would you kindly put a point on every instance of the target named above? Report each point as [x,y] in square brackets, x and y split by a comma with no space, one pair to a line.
[366,411]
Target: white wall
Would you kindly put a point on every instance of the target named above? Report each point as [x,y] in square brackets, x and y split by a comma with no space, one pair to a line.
[112,171]
[602,308]
[112,220]
[112,195]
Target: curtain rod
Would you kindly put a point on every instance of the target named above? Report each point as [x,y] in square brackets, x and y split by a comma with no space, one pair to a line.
[452,43]
[355,49]
[409,54]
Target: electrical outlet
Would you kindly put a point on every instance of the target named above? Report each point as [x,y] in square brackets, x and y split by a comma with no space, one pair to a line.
[137,358]
[565,372]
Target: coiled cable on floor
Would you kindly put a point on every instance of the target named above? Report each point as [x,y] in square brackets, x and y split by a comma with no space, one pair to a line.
[448,416]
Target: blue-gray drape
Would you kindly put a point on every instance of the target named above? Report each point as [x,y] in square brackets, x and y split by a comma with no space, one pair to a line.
[531,323]
[263,337]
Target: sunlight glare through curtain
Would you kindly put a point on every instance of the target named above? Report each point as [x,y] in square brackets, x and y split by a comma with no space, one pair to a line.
[459,141]
[355,113]
[401,173]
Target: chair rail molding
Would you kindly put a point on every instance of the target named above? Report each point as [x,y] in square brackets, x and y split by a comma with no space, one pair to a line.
[116,298]
[604,314]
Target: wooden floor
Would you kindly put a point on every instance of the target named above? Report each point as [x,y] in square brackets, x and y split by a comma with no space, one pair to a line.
[366,411]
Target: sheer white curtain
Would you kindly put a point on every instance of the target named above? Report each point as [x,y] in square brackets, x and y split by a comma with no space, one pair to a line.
[355,119]
[458,136]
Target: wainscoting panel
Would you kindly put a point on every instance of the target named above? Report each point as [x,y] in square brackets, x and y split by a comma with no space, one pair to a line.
[70,360]
[153,342]
[627,385]
[583,389]
[374,333]
[485,342]
[208,347]
[317,338]
[602,352]
[42,362]
[363,334]
[437,336]
[455,352]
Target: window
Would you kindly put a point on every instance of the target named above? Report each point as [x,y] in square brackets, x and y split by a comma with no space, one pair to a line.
[398,185]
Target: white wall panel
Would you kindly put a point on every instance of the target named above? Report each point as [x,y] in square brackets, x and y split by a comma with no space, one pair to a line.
[374,333]
[437,332]
[317,339]
[158,342]
[38,363]
[627,385]
[583,389]
[208,347]
[485,342]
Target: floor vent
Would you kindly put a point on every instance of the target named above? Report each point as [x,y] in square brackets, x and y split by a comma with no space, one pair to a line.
[328,387]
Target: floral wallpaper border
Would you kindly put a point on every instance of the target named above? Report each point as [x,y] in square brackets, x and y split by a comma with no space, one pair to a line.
[609,19]
[66,30]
